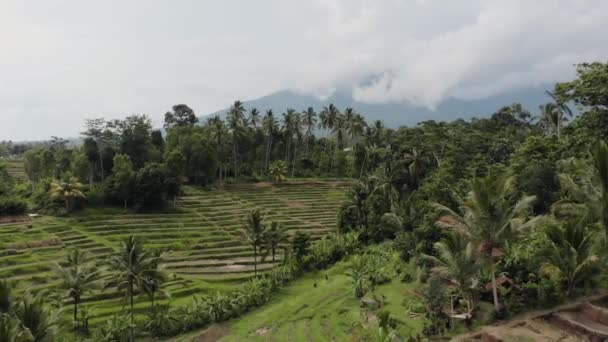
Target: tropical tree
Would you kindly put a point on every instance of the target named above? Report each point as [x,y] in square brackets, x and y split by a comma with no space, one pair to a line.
[358,271]
[586,187]
[218,129]
[417,163]
[153,279]
[310,122]
[77,277]
[67,189]
[456,262]
[570,253]
[490,217]
[269,125]
[253,231]
[39,320]
[254,117]
[236,122]
[273,237]
[132,265]
[278,170]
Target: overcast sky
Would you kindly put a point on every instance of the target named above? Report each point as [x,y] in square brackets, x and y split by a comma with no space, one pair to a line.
[64,61]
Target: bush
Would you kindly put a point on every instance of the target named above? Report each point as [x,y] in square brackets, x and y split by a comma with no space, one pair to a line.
[10,206]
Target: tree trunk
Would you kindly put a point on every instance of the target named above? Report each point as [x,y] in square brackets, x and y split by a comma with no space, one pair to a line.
[132,317]
[234,159]
[153,308]
[76,311]
[101,165]
[125,201]
[273,253]
[293,163]
[494,289]
[255,261]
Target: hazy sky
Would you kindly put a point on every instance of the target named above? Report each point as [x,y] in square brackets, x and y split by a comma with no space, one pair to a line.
[64,61]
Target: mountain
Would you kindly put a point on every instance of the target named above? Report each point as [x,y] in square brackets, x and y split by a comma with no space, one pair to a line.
[399,114]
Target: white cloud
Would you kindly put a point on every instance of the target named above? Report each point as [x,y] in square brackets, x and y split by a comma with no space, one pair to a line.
[63,61]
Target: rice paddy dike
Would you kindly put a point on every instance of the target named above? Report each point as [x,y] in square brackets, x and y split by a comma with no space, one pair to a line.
[205,251]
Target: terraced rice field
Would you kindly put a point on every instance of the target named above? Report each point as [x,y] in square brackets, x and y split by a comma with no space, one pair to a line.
[15,168]
[204,248]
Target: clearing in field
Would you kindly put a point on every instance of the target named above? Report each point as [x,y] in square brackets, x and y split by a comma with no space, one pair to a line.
[205,251]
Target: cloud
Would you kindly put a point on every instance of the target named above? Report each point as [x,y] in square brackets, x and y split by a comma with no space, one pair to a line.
[64,61]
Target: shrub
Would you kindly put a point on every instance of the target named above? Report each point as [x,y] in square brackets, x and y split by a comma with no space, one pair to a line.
[10,206]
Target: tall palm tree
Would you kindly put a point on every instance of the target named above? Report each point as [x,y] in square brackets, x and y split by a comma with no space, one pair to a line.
[297,131]
[153,280]
[417,163]
[131,266]
[270,127]
[273,237]
[288,130]
[253,232]
[310,122]
[571,252]
[586,187]
[68,190]
[77,277]
[218,129]
[236,122]
[254,117]
[456,262]
[490,218]
[278,170]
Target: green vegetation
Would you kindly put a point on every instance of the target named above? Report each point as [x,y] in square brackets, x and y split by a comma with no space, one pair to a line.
[441,227]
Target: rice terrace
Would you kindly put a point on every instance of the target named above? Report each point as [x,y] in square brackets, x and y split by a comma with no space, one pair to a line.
[204,251]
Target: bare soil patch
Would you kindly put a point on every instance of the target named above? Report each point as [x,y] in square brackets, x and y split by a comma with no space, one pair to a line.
[212,334]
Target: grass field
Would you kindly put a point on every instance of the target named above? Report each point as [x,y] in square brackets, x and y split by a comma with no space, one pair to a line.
[325,312]
[205,250]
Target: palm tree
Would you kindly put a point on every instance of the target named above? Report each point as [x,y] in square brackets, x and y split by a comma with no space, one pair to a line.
[152,281]
[586,187]
[489,218]
[132,266]
[310,121]
[253,232]
[273,237]
[6,298]
[254,117]
[39,320]
[236,122]
[455,262]
[77,277]
[297,130]
[67,189]
[288,128]
[218,129]
[278,170]
[358,271]
[571,252]
[417,163]
[270,127]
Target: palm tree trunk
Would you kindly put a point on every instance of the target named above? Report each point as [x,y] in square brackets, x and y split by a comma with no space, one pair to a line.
[101,165]
[273,252]
[234,159]
[267,154]
[152,303]
[76,310]
[255,261]
[293,163]
[494,289]
[363,164]
[131,305]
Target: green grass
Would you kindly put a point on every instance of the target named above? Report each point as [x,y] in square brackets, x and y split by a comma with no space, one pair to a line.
[200,234]
[327,312]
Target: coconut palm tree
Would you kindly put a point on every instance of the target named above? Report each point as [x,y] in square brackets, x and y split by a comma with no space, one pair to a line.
[417,163]
[132,265]
[152,281]
[297,131]
[253,231]
[278,170]
[68,190]
[586,187]
[490,218]
[571,253]
[270,127]
[310,122]
[254,117]
[218,130]
[236,122]
[456,262]
[288,130]
[77,277]
[273,237]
